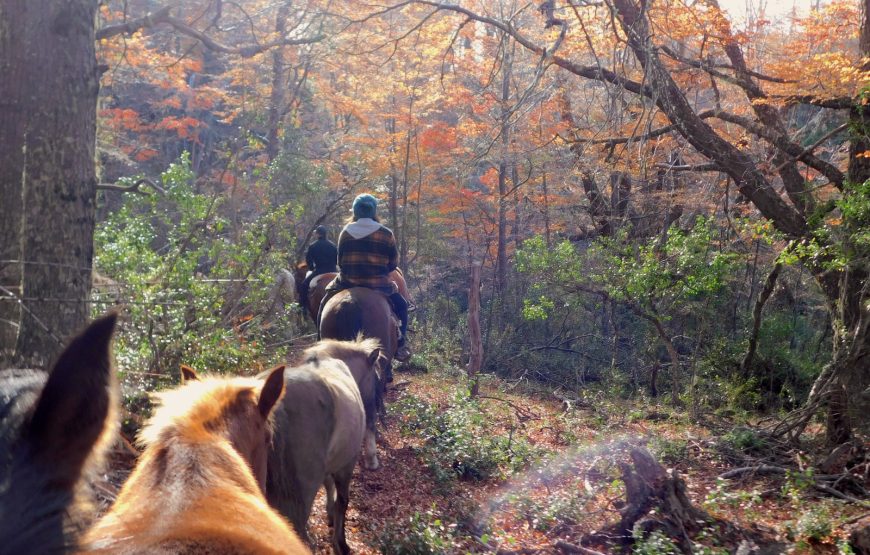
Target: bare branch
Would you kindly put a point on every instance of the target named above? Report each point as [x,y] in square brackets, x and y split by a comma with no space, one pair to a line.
[135,187]
[710,167]
[834,175]
[134,25]
[163,16]
[816,144]
[712,69]
[835,103]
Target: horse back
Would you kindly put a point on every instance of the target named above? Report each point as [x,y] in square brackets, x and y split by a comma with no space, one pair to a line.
[322,411]
[360,310]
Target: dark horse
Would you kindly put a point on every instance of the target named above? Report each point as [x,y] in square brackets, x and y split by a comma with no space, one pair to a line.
[316,288]
[54,428]
[363,311]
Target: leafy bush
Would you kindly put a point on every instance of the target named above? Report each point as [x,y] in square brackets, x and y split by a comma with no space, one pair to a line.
[422,534]
[655,543]
[460,439]
[744,440]
[196,293]
[812,527]
[561,507]
[670,451]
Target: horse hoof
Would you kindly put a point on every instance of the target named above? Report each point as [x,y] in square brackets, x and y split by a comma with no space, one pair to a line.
[372,465]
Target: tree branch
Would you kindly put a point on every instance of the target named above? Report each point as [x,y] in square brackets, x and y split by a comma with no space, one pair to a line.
[709,167]
[134,25]
[135,187]
[835,103]
[163,16]
[781,142]
[712,69]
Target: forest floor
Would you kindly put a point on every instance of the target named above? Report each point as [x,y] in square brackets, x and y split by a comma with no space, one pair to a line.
[521,470]
[567,485]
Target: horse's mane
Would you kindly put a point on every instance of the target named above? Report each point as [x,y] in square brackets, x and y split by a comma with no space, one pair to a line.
[198,409]
[332,348]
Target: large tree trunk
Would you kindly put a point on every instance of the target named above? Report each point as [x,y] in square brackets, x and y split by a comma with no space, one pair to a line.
[841,383]
[13,120]
[55,87]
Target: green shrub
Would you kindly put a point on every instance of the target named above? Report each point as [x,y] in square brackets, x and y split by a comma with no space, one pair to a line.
[670,451]
[461,441]
[422,534]
[812,527]
[655,543]
[744,440]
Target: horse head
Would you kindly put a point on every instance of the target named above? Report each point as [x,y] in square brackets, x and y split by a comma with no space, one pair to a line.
[239,410]
[54,430]
[198,486]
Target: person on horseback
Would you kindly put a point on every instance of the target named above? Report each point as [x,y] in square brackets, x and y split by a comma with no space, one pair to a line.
[321,258]
[366,255]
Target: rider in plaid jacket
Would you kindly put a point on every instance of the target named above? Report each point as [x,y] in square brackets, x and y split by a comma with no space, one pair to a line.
[366,255]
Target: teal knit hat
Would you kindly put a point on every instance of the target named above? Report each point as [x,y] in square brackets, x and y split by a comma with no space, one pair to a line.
[365,206]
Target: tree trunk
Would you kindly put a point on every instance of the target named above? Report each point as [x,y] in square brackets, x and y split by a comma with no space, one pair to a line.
[475,346]
[546,211]
[13,122]
[279,86]
[55,86]
[766,291]
[655,499]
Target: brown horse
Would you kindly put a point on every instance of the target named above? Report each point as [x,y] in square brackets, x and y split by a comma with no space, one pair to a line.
[362,311]
[53,430]
[319,426]
[317,287]
[197,487]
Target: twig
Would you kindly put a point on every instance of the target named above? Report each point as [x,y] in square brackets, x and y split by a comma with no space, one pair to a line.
[522,414]
[756,470]
[574,548]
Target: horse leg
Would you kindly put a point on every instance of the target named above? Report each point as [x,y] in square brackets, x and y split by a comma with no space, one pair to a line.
[329,484]
[342,487]
[370,449]
[297,507]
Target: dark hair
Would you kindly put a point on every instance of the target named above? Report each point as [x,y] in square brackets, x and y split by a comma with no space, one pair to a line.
[321,231]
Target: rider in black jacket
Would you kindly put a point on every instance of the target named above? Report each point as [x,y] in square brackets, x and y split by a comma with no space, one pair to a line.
[321,258]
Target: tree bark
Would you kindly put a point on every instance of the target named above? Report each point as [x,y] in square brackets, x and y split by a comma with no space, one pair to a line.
[13,122]
[475,345]
[501,248]
[769,284]
[278,96]
[56,91]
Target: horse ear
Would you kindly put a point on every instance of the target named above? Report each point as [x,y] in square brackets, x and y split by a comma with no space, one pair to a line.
[271,392]
[75,406]
[373,356]
[188,374]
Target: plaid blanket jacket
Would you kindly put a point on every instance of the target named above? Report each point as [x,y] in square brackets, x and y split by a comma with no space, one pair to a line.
[367,261]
